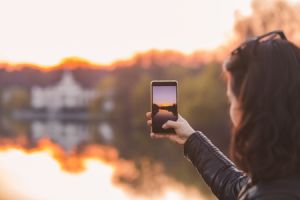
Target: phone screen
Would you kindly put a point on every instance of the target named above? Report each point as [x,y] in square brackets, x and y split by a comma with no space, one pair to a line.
[164,105]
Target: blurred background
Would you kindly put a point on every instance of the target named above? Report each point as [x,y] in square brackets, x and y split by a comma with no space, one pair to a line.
[75,78]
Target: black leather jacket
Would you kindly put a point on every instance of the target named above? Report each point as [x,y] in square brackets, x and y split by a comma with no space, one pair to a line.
[229,183]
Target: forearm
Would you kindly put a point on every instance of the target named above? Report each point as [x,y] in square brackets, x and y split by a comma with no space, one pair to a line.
[224,179]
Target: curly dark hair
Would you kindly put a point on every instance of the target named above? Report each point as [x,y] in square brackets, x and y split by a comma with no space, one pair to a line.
[265,78]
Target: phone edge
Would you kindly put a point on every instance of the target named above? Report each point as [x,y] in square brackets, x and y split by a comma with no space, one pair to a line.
[151,99]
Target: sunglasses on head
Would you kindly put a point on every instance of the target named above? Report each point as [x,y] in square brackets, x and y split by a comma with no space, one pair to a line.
[265,37]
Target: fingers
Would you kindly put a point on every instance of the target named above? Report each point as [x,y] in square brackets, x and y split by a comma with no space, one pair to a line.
[149,122]
[180,118]
[171,124]
[159,136]
[148,115]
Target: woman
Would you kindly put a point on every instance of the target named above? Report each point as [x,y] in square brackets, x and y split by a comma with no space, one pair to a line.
[263,87]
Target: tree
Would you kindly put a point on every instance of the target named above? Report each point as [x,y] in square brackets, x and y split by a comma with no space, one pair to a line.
[267,16]
[15,98]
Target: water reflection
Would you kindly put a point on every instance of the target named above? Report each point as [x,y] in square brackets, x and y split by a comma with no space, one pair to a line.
[162,113]
[68,134]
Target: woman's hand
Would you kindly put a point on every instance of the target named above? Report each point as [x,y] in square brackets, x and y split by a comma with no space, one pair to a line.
[182,129]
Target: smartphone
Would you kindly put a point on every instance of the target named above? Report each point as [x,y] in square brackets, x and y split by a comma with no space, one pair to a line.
[163,104]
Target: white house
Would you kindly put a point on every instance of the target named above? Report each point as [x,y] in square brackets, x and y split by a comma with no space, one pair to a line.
[67,93]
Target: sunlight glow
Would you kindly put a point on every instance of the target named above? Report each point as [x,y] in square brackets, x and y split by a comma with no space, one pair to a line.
[39,174]
[46,31]
[48,181]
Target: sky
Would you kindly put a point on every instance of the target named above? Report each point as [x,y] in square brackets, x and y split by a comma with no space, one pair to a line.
[164,95]
[102,31]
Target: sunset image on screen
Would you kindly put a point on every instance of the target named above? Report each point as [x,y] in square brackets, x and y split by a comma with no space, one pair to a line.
[164,106]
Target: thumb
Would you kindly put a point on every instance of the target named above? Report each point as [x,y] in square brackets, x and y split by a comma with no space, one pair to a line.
[171,124]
